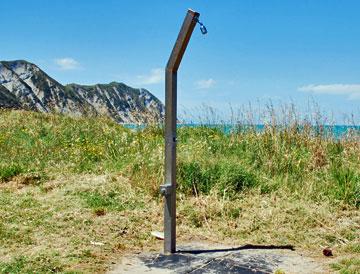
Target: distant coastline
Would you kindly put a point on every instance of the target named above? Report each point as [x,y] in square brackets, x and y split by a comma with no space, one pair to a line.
[337,131]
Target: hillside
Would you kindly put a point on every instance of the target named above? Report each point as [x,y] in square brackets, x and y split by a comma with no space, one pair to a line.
[24,85]
[7,99]
[77,193]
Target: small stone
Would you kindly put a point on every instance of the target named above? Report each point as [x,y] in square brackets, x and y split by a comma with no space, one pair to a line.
[96,243]
[327,252]
[158,235]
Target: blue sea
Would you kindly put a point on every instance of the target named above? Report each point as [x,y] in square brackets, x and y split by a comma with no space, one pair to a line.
[336,131]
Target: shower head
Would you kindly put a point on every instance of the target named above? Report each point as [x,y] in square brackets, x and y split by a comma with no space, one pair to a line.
[202,27]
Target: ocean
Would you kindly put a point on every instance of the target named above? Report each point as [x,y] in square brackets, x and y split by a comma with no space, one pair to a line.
[336,131]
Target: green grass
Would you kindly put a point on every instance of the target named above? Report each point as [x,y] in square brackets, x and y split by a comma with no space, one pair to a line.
[112,200]
[9,171]
[208,159]
[68,182]
[39,264]
[348,266]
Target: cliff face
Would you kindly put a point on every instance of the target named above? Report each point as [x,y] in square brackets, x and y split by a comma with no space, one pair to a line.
[24,85]
[7,99]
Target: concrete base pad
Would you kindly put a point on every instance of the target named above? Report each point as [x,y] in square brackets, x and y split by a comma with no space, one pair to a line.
[202,258]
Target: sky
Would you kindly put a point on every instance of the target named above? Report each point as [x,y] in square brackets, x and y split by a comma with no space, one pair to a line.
[255,51]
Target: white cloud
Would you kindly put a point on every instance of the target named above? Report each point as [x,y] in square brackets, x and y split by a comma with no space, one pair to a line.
[205,83]
[155,76]
[352,91]
[67,63]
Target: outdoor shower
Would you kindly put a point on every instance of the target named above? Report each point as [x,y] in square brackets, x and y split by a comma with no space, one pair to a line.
[168,189]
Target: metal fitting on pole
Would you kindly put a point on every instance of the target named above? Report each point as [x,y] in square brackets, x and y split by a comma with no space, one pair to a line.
[166,189]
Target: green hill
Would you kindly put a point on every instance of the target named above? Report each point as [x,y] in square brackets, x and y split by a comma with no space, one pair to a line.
[77,193]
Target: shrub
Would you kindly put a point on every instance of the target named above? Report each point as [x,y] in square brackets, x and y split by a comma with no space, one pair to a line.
[227,178]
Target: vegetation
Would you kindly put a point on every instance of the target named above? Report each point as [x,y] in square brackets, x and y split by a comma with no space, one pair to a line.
[76,193]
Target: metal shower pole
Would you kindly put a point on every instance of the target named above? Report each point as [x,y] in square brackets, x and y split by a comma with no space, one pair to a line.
[169,188]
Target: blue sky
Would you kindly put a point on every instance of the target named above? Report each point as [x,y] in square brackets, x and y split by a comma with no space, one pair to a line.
[254,51]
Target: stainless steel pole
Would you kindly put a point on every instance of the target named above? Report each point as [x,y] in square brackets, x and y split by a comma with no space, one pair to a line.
[169,188]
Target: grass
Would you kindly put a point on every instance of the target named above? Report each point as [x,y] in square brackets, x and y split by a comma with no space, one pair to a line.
[348,266]
[77,193]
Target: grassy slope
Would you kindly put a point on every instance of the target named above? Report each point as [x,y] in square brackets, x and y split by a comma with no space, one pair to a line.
[77,193]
